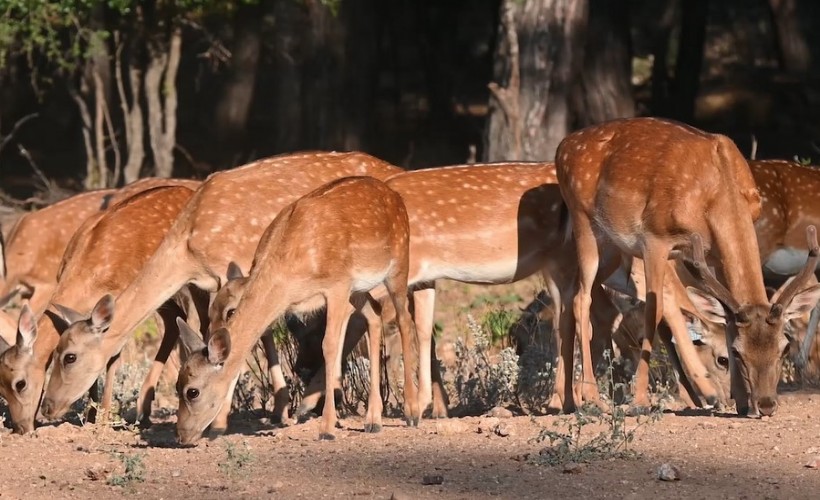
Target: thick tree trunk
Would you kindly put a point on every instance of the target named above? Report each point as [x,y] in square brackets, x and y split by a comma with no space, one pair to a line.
[688,67]
[793,51]
[161,96]
[233,107]
[605,90]
[360,39]
[538,57]
[661,35]
[287,89]
[132,115]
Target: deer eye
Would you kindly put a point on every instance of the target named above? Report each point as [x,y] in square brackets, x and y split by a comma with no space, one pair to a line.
[786,350]
[229,313]
[723,361]
[69,358]
[20,386]
[192,394]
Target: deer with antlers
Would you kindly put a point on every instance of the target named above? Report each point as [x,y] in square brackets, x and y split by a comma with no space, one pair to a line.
[115,246]
[652,189]
[221,223]
[333,246]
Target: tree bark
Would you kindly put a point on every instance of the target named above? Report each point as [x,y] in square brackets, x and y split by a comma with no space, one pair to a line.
[605,90]
[161,96]
[360,72]
[661,39]
[131,111]
[793,51]
[233,109]
[688,67]
[290,23]
[538,58]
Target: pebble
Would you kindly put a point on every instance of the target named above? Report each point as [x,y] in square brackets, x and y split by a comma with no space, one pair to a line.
[432,480]
[668,472]
[814,463]
[500,412]
[573,468]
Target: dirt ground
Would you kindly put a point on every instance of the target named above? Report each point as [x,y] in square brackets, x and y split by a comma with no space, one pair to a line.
[718,457]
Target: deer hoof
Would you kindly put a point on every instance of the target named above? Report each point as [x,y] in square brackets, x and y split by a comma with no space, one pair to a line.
[372,428]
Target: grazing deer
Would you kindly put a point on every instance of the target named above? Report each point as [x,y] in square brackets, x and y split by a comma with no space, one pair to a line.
[652,189]
[221,223]
[488,223]
[332,246]
[103,257]
[31,254]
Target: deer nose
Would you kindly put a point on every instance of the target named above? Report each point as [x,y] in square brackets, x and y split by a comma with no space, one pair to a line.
[767,406]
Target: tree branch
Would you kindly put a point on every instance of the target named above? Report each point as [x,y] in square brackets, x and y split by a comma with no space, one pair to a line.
[16,128]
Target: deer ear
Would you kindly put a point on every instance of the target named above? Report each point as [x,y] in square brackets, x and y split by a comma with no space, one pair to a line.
[219,346]
[708,306]
[4,301]
[69,315]
[26,329]
[234,271]
[102,314]
[802,303]
[189,339]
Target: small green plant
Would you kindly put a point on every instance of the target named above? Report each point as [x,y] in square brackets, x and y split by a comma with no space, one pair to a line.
[235,459]
[805,161]
[134,470]
[572,443]
[498,323]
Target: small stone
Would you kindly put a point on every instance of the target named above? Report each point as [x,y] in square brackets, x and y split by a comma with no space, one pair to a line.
[502,430]
[500,412]
[487,424]
[432,480]
[176,473]
[399,496]
[668,472]
[814,463]
[708,425]
[765,418]
[450,426]
[96,472]
[573,468]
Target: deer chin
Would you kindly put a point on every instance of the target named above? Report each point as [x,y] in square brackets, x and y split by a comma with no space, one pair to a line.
[59,398]
[191,426]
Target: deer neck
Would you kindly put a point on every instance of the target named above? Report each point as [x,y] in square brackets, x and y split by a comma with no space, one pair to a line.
[740,260]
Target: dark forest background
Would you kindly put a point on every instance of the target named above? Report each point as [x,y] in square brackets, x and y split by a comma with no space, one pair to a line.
[95,94]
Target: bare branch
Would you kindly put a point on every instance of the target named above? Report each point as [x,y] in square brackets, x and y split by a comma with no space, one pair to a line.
[16,128]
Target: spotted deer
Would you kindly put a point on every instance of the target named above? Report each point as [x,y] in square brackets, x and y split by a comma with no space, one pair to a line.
[490,224]
[221,223]
[103,257]
[31,254]
[331,247]
[656,189]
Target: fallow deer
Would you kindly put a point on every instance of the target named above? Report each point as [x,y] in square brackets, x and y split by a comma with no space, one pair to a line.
[652,189]
[36,243]
[221,223]
[332,246]
[103,257]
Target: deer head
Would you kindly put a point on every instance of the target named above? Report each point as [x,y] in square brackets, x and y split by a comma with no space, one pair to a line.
[756,330]
[22,393]
[82,335]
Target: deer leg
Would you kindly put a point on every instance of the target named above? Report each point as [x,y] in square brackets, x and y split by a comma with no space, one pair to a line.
[691,365]
[424,300]
[397,288]
[168,314]
[373,418]
[654,258]
[555,402]
[281,398]
[338,315]
[108,389]
[685,389]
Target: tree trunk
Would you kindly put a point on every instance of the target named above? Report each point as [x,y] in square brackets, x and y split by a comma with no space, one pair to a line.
[605,90]
[360,39]
[287,89]
[161,96]
[538,57]
[131,109]
[793,51]
[661,40]
[233,108]
[688,67]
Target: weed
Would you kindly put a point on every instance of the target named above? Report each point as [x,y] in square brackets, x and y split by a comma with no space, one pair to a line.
[134,470]
[235,459]
[572,443]
[498,323]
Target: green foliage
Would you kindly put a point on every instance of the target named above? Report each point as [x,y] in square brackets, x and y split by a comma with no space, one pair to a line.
[134,471]
[498,323]
[571,443]
[235,459]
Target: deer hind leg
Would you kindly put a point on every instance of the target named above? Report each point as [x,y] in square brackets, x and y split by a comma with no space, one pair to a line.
[373,418]
[339,310]
[168,314]
[281,397]
[424,301]
[554,291]
[411,351]
[108,389]
[655,260]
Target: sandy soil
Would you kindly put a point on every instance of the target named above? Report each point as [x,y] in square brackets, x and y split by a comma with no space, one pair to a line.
[718,456]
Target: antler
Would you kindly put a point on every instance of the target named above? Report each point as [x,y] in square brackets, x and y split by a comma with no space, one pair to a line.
[799,282]
[700,270]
